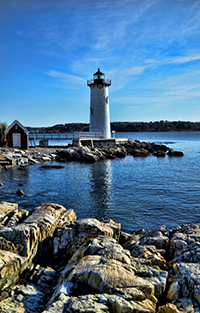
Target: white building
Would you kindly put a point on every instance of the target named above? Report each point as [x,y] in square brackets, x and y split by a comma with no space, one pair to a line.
[99,104]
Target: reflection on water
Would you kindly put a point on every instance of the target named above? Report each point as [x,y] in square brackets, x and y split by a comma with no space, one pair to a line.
[101,188]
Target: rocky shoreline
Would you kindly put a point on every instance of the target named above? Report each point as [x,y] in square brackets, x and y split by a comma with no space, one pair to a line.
[136,148]
[52,262]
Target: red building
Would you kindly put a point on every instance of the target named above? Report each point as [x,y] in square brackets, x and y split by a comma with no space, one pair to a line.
[17,136]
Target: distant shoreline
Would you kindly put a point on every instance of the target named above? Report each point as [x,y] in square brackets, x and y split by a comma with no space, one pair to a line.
[161,126]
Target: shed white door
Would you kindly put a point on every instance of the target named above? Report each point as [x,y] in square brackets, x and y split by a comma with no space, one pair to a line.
[17,140]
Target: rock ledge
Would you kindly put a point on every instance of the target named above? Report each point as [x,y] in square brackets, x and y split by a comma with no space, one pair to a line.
[51,262]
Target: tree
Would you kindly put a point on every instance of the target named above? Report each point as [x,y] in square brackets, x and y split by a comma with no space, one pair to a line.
[3,127]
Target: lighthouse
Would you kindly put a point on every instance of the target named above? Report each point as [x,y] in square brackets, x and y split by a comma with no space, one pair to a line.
[99,104]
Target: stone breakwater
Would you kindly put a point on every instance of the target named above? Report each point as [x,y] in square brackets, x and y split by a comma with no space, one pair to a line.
[132,147]
[13,157]
[51,262]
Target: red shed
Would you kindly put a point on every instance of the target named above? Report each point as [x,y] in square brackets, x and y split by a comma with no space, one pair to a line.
[17,136]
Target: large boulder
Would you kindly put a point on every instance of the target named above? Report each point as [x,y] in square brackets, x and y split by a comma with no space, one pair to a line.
[69,154]
[101,266]
[184,259]
[82,154]
[29,296]
[173,153]
[184,244]
[105,275]
[19,243]
[168,308]
[7,211]
[70,237]
[39,225]
[10,267]
[159,147]
[150,245]
[184,289]
[159,153]
[103,246]
[140,152]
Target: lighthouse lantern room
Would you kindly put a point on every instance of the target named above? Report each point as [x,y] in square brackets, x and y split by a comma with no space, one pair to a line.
[99,104]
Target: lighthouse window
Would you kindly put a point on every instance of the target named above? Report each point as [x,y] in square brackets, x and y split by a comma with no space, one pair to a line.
[106,100]
[91,110]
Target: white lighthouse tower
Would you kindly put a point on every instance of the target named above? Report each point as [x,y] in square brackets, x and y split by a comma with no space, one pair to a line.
[99,104]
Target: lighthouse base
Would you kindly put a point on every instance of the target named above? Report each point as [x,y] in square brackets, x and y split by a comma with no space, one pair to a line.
[99,142]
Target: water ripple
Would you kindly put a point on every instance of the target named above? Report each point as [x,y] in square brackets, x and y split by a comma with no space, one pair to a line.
[138,192]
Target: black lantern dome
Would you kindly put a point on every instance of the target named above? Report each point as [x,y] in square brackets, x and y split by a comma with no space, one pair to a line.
[99,78]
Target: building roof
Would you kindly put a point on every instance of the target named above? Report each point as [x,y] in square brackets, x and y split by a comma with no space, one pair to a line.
[98,72]
[19,124]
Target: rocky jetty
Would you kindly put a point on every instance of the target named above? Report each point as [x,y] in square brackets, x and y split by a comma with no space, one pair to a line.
[88,154]
[19,157]
[132,147]
[52,262]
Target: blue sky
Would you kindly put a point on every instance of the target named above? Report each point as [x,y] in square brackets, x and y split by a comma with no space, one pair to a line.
[49,48]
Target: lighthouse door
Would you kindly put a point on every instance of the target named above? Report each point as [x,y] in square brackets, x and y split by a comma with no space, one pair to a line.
[16,140]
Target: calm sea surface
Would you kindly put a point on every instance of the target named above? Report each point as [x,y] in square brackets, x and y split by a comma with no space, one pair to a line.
[138,192]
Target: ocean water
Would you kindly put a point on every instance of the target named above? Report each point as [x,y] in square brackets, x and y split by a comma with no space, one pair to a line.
[138,192]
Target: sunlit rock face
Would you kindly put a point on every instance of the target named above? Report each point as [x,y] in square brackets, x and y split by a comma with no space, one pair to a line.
[49,261]
[19,243]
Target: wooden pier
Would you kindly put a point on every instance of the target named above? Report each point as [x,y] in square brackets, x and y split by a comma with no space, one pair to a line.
[50,136]
[33,136]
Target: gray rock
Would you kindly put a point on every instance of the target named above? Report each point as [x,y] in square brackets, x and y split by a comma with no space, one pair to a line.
[184,256]
[19,192]
[7,210]
[32,161]
[169,308]
[185,283]
[30,297]
[159,153]
[149,245]
[102,275]
[72,236]
[21,241]
[80,304]
[103,246]
[45,159]
[102,266]
[173,153]
[140,152]
[184,244]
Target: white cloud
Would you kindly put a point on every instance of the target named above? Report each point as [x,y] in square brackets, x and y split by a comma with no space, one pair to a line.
[135,70]
[66,78]
[185,59]
[162,60]
[133,107]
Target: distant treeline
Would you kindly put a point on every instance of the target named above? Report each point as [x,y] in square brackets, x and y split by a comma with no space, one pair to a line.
[161,126]
[2,135]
